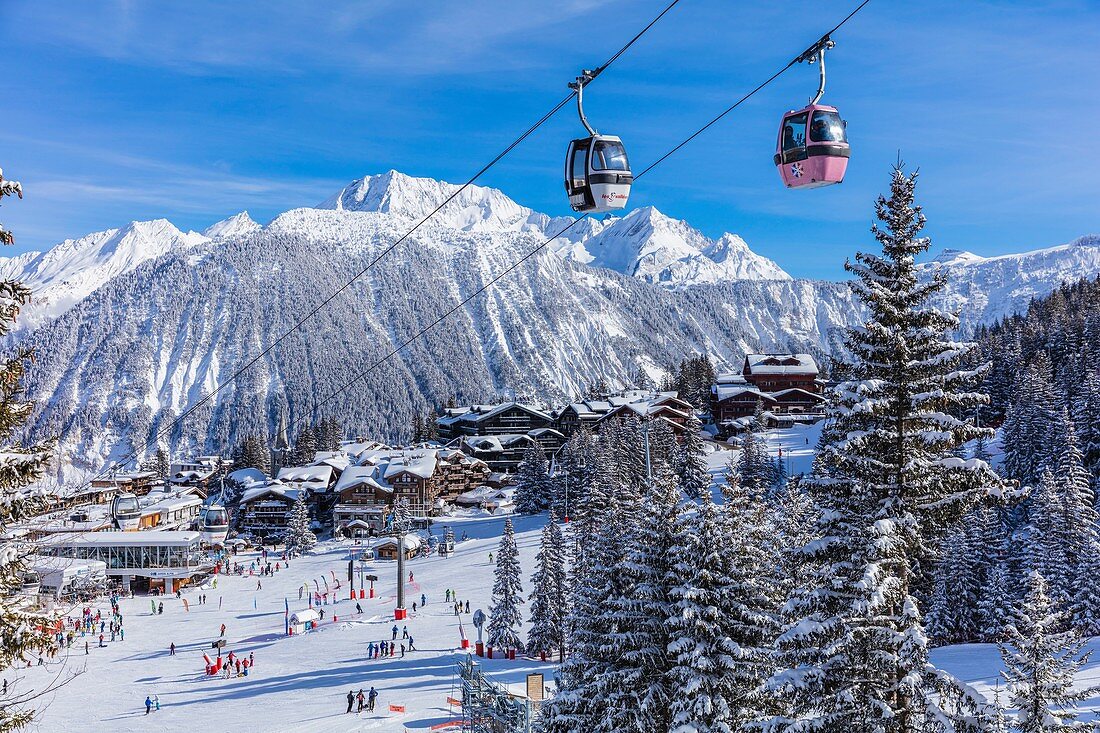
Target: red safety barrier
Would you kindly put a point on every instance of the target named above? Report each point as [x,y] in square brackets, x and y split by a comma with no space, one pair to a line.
[448,724]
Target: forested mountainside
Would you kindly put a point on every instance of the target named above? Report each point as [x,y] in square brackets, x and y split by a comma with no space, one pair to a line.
[1044,384]
[137,352]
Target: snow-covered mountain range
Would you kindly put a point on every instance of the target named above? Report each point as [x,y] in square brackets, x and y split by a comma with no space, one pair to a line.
[134,325]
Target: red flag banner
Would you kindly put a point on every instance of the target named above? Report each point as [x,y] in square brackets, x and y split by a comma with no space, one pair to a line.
[397,708]
[452,701]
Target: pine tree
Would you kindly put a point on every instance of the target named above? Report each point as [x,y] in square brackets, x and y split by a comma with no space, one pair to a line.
[158,464]
[633,681]
[550,593]
[722,618]
[607,516]
[853,652]
[305,447]
[22,630]
[1040,665]
[694,472]
[251,452]
[402,516]
[534,489]
[299,538]
[1048,540]
[505,620]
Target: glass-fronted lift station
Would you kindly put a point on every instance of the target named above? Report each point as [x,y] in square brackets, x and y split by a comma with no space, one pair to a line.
[142,560]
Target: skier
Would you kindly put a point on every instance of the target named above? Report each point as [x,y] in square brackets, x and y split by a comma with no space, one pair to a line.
[172,649]
[404,632]
[467,606]
[402,650]
[251,660]
[414,606]
[223,630]
[259,585]
[370,698]
[156,702]
[361,701]
[370,650]
[160,608]
[394,632]
[148,704]
[490,558]
[359,609]
[351,699]
[411,647]
[410,576]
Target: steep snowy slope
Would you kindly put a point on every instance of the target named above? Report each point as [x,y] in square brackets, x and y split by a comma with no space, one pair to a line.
[148,344]
[476,209]
[236,225]
[70,271]
[984,289]
[656,248]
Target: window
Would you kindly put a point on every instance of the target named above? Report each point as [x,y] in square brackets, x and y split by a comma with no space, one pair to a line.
[609,155]
[794,132]
[577,167]
[827,127]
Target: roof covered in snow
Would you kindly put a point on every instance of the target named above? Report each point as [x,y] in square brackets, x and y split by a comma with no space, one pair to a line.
[786,364]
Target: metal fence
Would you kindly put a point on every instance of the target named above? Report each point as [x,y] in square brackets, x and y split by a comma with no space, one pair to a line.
[489,707]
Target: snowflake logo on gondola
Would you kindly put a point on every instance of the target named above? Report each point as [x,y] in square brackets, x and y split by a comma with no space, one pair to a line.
[796,170]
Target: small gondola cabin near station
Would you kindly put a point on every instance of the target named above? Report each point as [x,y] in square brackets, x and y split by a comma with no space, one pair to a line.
[813,147]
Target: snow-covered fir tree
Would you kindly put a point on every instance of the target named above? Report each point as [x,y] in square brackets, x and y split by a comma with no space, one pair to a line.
[505,620]
[159,463]
[576,462]
[723,616]
[886,486]
[550,593]
[754,468]
[633,680]
[1049,539]
[534,488]
[21,628]
[299,538]
[604,520]
[305,447]
[402,516]
[693,469]
[1041,663]
[252,452]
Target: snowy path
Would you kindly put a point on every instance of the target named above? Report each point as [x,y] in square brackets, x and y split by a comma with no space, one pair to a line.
[300,683]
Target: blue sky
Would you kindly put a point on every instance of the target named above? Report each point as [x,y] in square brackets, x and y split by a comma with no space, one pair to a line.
[116,111]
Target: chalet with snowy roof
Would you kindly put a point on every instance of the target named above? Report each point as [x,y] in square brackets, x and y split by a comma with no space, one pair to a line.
[502,453]
[386,549]
[264,509]
[787,386]
[427,478]
[198,473]
[641,404]
[508,418]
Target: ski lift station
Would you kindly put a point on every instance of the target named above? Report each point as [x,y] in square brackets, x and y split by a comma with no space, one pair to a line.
[142,561]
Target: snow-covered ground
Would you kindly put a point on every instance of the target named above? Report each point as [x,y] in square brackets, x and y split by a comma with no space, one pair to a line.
[300,683]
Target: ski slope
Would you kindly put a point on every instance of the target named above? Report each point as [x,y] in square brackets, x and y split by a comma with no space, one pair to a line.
[300,683]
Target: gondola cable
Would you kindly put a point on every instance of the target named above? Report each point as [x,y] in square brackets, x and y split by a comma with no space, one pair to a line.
[158,435]
[394,351]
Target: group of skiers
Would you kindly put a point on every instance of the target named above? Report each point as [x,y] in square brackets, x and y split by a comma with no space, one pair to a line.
[365,701]
[152,703]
